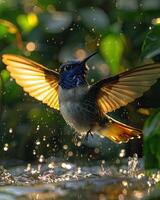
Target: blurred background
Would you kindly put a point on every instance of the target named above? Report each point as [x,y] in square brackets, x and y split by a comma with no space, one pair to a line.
[126,33]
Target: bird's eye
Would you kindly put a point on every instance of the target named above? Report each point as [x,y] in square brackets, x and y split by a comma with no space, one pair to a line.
[68,67]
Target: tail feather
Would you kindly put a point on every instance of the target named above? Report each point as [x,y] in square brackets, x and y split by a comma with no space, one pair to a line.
[118,132]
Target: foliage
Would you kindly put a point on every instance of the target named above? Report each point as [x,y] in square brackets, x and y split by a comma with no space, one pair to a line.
[152,141]
[112,47]
[151,45]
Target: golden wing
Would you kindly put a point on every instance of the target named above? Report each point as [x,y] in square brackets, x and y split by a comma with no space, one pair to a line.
[40,82]
[117,91]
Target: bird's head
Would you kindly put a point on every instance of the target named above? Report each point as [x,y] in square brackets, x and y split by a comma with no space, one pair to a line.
[72,73]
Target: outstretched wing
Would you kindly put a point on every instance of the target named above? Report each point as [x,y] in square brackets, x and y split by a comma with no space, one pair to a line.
[117,91]
[40,82]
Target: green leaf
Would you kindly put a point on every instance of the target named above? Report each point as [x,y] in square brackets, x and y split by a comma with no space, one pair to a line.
[112,47]
[151,45]
[152,141]
[3,31]
[5,75]
[27,22]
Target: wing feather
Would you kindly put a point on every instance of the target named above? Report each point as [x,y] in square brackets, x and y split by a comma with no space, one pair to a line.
[114,92]
[40,82]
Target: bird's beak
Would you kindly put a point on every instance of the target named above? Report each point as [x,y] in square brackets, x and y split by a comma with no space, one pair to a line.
[83,61]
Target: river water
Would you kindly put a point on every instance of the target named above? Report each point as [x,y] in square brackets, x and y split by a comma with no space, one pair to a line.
[56,179]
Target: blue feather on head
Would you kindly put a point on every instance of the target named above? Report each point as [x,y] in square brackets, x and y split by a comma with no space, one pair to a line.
[72,73]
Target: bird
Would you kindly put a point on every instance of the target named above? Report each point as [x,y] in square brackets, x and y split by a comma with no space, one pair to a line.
[83,106]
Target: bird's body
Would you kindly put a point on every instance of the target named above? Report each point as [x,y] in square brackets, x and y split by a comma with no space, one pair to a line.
[72,109]
[77,112]
[84,107]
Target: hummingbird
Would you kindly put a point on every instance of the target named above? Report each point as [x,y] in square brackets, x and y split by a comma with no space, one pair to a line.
[84,107]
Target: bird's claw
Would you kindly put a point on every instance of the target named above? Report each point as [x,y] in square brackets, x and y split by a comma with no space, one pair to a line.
[87,134]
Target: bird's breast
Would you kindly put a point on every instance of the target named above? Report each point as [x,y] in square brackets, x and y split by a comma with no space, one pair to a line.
[73,109]
[77,93]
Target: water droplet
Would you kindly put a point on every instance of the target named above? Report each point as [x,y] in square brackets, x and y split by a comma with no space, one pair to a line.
[70,153]
[66,166]
[34,152]
[93,30]
[92,80]
[103,162]
[125,183]
[38,142]
[10,130]
[29,167]
[44,138]
[65,146]
[51,165]
[48,145]
[38,127]
[79,170]
[79,143]
[41,158]
[5,148]
[122,153]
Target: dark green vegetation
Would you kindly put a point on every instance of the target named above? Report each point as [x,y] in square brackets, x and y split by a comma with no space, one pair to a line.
[50,32]
[151,141]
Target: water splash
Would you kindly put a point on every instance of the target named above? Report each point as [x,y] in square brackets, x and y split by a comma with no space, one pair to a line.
[119,180]
[6,177]
[133,165]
